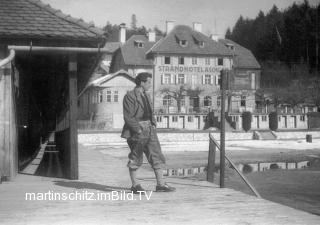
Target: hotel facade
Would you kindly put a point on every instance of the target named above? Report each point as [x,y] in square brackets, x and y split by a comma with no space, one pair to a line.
[186,67]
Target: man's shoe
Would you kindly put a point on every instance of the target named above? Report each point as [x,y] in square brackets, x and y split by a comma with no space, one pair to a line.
[137,189]
[164,188]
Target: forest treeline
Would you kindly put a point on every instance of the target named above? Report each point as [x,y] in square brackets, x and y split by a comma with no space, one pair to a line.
[286,43]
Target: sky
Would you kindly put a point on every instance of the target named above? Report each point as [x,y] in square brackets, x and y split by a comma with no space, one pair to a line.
[215,15]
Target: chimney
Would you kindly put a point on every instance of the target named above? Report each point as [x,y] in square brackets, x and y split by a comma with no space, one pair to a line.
[169,26]
[197,26]
[152,36]
[214,37]
[122,33]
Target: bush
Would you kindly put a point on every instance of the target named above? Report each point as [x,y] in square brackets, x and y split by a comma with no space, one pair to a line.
[274,166]
[247,168]
[246,120]
[273,121]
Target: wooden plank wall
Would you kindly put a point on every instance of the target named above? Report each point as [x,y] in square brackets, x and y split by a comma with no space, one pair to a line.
[66,135]
[8,126]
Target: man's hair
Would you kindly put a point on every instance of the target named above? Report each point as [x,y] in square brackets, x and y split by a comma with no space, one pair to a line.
[142,77]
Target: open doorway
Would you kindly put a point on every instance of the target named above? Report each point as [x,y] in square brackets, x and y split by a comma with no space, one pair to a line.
[41,95]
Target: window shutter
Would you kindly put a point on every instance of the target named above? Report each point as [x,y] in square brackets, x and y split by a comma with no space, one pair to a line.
[203,79]
[211,79]
[217,79]
[162,79]
[177,77]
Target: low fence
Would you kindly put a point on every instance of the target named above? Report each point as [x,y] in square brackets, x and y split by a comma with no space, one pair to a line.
[213,146]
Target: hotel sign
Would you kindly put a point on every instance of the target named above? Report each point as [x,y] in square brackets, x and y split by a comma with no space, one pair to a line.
[188,69]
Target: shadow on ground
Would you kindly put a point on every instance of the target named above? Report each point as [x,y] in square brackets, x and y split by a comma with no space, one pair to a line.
[86,185]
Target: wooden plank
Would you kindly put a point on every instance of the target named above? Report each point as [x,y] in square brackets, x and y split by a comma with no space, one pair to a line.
[222,125]
[73,97]
[211,160]
[2,123]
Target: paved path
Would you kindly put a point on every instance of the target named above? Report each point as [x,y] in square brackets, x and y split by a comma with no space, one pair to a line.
[105,173]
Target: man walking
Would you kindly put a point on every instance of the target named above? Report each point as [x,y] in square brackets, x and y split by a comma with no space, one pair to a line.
[140,131]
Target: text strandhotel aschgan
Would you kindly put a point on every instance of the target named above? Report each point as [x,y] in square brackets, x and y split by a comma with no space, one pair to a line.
[88,196]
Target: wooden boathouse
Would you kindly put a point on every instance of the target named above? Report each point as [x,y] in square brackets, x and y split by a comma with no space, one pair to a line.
[46,57]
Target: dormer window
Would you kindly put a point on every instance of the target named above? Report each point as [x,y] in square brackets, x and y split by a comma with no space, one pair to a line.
[201,44]
[183,43]
[230,46]
[139,44]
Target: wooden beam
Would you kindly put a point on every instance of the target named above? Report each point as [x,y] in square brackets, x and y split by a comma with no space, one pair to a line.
[58,49]
[211,160]
[222,131]
[72,67]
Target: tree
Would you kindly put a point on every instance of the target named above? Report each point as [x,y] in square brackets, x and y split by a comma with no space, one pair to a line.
[179,93]
[134,22]
[295,94]
[314,92]
[158,31]
[273,121]
[228,33]
[246,120]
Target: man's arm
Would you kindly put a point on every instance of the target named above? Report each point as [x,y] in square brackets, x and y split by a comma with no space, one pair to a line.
[129,113]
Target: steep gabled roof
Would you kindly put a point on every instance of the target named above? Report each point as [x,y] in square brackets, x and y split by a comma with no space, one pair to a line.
[243,57]
[98,82]
[108,77]
[112,46]
[33,19]
[133,55]
[170,43]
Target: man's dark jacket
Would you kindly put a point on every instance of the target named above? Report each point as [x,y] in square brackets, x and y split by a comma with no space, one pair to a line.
[133,111]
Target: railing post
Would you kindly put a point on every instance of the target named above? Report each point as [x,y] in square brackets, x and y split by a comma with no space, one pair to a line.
[211,160]
[222,131]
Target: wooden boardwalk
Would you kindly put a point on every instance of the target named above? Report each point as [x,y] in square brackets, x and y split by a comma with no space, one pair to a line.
[194,202]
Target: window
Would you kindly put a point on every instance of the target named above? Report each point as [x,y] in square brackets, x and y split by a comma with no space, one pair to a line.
[159,119]
[204,119]
[207,61]
[243,101]
[201,44]
[207,79]
[100,96]
[220,61]
[207,101]
[302,118]
[194,61]
[264,118]
[181,79]
[194,81]
[167,79]
[167,60]
[115,96]
[279,118]
[190,119]
[219,101]
[108,95]
[93,95]
[139,44]
[218,80]
[167,100]
[182,101]
[175,119]
[183,43]
[181,60]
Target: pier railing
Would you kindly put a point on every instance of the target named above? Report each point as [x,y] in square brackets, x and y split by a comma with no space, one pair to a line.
[213,145]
